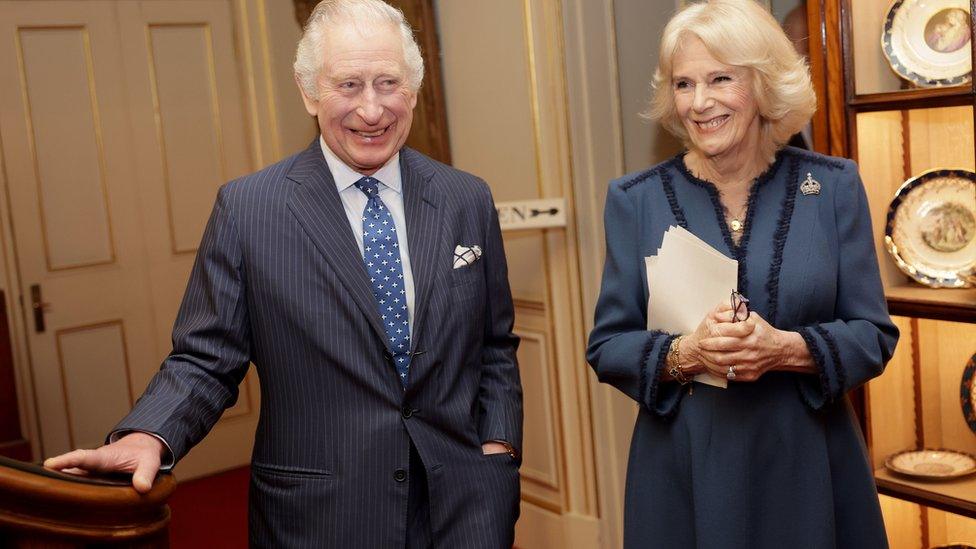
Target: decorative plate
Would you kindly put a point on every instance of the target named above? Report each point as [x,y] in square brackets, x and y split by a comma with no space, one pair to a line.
[931,228]
[967,393]
[927,41]
[932,464]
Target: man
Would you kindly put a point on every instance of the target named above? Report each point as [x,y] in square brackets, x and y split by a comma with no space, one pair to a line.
[368,284]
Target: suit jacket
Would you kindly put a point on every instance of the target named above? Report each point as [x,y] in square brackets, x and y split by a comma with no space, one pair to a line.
[279,281]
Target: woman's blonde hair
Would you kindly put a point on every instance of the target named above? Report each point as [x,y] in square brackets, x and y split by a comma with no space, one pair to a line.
[744,34]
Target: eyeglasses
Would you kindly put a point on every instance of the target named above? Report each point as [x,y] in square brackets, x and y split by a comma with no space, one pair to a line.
[740,307]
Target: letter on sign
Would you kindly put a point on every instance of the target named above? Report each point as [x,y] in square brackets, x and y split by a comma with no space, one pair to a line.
[545,213]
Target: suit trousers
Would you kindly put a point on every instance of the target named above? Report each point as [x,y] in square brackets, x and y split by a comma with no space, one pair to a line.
[418,505]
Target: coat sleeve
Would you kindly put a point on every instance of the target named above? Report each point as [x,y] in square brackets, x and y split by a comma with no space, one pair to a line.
[621,350]
[856,345]
[211,345]
[500,393]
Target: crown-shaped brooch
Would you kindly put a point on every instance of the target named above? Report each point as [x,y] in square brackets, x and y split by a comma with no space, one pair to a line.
[810,186]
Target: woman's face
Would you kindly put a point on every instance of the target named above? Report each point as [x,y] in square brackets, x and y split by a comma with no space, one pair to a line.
[714,102]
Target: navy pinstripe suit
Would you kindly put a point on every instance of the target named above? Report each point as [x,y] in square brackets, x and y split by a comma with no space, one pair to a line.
[279,281]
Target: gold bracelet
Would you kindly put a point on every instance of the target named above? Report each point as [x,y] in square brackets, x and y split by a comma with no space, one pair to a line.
[673,361]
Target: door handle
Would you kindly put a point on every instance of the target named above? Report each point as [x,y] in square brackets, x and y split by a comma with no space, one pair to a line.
[39,307]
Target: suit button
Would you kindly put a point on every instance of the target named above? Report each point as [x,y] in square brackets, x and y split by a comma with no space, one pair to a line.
[407,412]
[399,475]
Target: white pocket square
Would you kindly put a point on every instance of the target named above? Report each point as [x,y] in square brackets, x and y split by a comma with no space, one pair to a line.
[466,255]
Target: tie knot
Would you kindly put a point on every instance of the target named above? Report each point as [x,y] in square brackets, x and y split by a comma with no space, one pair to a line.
[369,186]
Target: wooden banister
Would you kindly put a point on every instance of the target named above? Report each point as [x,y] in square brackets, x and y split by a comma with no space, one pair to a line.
[44,508]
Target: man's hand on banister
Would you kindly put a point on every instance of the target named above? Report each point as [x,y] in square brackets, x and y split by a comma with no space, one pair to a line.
[136,453]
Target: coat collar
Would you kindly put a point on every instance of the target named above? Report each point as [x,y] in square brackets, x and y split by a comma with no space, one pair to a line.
[421,200]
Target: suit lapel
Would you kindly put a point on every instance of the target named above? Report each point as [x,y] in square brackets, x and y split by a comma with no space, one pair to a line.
[420,202]
[319,209]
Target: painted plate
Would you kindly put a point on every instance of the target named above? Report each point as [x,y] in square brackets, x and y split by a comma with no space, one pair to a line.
[927,42]
[931,228]
[967,393]
[932,464]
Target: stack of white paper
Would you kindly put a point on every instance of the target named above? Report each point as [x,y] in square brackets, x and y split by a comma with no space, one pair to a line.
[686,279]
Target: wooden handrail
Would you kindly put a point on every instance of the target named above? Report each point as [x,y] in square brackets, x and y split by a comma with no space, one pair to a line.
[43,507]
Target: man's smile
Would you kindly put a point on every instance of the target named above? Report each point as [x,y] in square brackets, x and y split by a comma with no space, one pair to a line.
[369,134]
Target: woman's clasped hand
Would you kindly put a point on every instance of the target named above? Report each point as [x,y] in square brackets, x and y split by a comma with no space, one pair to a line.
[751,346]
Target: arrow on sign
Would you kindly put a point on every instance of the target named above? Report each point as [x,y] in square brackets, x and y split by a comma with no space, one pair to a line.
[545,213]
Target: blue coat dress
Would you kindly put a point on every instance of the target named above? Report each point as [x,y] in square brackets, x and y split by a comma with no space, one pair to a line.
[775,463]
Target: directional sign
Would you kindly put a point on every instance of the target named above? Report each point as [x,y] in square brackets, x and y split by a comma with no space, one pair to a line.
[544,213]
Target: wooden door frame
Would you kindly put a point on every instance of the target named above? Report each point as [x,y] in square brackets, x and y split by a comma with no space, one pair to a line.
[597,147]
[827,72]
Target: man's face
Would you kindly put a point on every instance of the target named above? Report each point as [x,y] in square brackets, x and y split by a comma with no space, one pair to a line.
[365,105]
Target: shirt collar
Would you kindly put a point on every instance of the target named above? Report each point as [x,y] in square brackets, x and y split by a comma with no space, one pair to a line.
[344,176]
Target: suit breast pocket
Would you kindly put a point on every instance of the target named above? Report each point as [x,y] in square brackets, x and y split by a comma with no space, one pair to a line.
[468,288]
[469,274]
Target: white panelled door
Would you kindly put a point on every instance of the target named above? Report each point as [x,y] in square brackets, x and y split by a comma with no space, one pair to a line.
[118,122]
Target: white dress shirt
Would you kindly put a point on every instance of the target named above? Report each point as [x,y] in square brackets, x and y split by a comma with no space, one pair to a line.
[354,202]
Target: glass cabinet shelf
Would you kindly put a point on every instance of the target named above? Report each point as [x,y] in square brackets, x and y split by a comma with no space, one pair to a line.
[917,301]
[913,99]
[955,496]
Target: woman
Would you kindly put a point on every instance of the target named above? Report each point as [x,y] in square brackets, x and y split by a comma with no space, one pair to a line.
[776,459]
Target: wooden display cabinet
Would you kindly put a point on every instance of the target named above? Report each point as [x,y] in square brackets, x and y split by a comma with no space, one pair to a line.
[895,132]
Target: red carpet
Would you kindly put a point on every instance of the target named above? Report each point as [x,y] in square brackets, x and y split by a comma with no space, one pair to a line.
[210,512]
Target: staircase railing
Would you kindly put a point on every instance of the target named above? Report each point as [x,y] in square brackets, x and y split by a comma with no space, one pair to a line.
[44,508]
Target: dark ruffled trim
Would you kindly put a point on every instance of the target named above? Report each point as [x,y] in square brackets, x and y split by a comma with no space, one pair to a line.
[815,158]
[741,251]
[640,178]
[779,239]
[676,211]
[834,356]
[660,169]
[818,359]
[713,195]
[645,374]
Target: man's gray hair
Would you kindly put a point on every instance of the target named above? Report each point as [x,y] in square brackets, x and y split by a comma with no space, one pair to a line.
[365,14]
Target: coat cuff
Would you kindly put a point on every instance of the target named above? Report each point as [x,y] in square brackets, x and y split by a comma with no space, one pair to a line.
[830,381]
[659,398]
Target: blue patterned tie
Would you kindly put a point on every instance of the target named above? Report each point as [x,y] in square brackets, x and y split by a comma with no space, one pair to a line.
[381,254]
